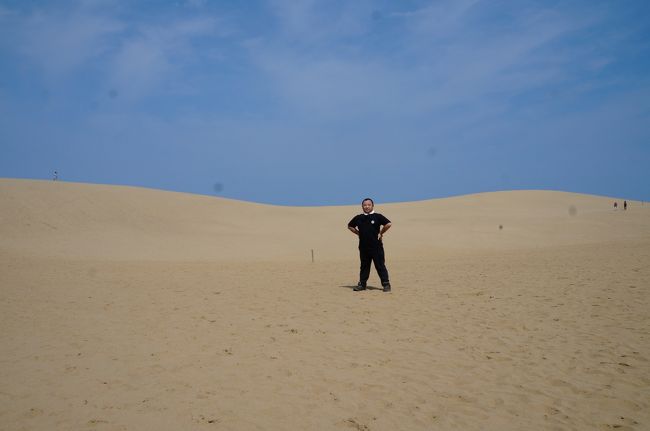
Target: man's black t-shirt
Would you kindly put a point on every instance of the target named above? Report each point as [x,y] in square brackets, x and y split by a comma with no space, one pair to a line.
[369,226]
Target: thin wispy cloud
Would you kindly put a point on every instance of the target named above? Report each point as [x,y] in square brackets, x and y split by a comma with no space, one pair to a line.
[156,56]
[57,43]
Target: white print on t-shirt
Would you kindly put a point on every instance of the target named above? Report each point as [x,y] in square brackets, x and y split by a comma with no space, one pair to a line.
[372,221]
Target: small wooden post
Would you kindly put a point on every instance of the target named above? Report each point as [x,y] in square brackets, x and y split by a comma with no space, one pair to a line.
[312,255]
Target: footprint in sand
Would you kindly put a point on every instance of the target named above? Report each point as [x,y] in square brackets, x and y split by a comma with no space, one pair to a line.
[353,423]
[207,420]
[34,412]
[624,425]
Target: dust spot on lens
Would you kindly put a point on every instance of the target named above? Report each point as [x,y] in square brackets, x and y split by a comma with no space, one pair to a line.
[432,152]
[217,187]
[573,210]
[376,15]
[500,227]
[113,93]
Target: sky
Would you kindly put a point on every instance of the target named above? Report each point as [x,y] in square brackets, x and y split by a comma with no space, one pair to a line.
[313,102]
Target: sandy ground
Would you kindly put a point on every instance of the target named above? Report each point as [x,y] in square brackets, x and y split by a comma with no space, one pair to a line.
[130,309]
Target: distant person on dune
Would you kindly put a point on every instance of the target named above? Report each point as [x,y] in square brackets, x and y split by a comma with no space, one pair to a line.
[624,205]
[370,228]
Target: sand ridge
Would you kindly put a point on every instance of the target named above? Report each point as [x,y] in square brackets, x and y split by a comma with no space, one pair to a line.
[73,220]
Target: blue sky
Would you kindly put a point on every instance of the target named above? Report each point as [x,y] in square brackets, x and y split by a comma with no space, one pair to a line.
[325,102]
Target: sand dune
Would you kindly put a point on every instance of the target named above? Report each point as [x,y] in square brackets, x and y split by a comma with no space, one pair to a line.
[121,223]
[127,308]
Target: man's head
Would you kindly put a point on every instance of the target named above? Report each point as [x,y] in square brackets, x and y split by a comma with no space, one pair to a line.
[367,205]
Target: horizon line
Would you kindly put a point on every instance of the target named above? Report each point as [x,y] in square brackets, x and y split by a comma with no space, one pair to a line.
[314,206]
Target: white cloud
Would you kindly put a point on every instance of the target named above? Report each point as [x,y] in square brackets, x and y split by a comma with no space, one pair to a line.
[139,67]
[196,3]
[443,59]
[314,23]
[440,19]
[157,54]
[60,43]
[131,57]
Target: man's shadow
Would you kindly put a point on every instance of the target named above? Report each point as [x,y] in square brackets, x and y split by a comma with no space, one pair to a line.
[367,287]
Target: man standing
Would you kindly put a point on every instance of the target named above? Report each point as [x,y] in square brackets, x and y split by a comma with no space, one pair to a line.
[370,227]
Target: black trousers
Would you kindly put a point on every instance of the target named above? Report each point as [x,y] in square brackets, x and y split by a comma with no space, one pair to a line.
[376,255]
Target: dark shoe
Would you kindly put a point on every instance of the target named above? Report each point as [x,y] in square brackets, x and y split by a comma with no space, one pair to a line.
[386,287]
[360,286]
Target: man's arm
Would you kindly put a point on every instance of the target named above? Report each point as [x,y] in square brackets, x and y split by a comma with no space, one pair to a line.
[352,226]
[384,229]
